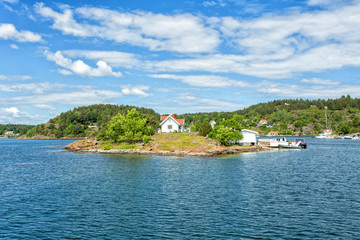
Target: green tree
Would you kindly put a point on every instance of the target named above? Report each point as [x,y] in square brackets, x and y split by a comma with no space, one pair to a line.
[205,129]
[225,135]
[343,127]
[130,128]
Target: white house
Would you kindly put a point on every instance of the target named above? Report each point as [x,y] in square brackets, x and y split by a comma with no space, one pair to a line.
[250,137]
[171,124]
[212,123]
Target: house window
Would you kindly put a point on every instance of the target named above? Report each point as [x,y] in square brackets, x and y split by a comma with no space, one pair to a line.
[169,126]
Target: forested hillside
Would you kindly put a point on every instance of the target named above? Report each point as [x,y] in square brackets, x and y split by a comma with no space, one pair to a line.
[296,116]
[289,116]
[87,121]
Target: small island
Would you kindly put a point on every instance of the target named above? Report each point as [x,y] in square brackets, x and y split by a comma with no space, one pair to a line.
[133,133]
[166,144]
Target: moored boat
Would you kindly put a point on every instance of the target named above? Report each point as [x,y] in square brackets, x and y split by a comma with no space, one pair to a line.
[298,144]
[274,142]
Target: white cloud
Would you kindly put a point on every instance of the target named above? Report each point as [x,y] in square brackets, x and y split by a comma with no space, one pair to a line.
[318,90]
[331,3]
[320,81]
[203,80]
[135,90]
[188,102]
[280,46]
[11,1]
[45,106]
[183,33]
[15,116]
[15,77]
[79,67]
[214,3]
[14,46]
[114,58]
[37,88]
[209,3]
[8,31]
[86,96]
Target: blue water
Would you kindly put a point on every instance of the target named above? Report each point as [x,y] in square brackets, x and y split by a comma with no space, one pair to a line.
[48,193]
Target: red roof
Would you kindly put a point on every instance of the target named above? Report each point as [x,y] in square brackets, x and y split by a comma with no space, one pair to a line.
[180,121]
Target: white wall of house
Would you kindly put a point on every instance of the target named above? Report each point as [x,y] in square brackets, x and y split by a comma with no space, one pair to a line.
[250,137]
[170,125]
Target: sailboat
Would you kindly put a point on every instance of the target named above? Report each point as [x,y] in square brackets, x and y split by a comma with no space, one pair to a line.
[327,132]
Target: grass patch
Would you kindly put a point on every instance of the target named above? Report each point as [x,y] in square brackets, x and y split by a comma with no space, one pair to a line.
[123,145]
[181,141]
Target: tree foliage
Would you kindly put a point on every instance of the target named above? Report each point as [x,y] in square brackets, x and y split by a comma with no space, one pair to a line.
[76,122]
[205,129]
[225,135]
[130,128]
[16,128]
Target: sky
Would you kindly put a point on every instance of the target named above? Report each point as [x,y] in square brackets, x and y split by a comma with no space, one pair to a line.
[173,56]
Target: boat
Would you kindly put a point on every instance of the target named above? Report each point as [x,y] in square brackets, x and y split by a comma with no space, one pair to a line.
[324,136]
[356,136]
[327,132]
[298,144]
[347,137]
[274,142]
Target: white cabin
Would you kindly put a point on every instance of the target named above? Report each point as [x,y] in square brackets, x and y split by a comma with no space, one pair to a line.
[171,124]
[250,137]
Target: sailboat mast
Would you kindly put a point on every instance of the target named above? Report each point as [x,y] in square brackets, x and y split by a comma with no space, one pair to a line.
[326,118]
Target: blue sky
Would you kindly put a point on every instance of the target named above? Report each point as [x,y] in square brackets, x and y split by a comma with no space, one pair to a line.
[173,56]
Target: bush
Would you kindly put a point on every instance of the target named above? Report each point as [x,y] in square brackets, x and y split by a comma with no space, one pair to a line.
[205,129]
[130,128]
[225,135]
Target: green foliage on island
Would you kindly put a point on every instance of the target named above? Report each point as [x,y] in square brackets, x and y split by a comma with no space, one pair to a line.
[205,129]
[228,131]
[16,128]
[88,121]
[130,128]
[225,135]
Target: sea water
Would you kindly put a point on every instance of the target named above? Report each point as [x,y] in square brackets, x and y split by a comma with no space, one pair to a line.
[49,193]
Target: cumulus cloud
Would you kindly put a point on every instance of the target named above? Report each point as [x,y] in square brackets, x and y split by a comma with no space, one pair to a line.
[14,115]
[8,31]
[183,33]
[299,42]
[114,58]
[202,80]
[79,67]
[135,90]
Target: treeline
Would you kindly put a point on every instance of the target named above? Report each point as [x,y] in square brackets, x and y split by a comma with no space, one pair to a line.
[300,104]
[291,116]
[87,121]
[16,128]
[286,116]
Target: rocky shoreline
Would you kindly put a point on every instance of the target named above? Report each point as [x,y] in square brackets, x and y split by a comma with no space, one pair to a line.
[93,146]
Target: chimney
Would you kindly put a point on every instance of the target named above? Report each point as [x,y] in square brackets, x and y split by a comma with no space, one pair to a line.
[173,115]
